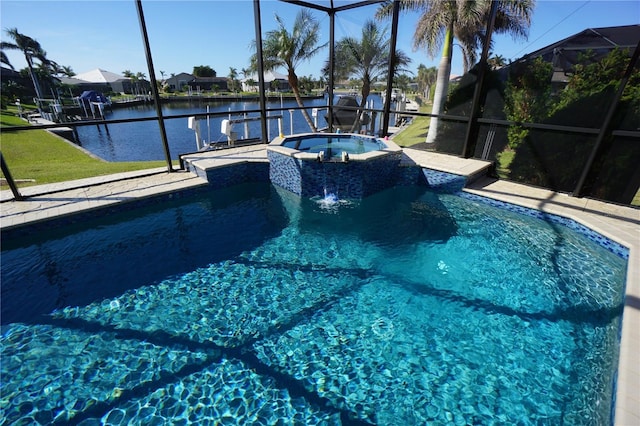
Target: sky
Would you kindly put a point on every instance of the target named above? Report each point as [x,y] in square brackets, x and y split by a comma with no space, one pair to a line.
[90,34]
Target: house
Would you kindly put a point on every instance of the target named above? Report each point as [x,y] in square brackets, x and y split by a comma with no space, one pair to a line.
[105,81]
[564,54]
[273,81]
[77,86]
[208,83]
[178,81]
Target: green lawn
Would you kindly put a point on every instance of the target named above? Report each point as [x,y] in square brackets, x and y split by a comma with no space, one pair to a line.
[38,157]
[416,132]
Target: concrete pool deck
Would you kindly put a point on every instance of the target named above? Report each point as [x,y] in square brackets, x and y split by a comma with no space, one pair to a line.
[618,223]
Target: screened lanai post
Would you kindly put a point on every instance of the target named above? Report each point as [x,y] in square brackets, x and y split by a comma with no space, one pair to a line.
[471,137]
[154,86]
[392,60]
[260,70]
[332,64]
[605,130]
[12,183]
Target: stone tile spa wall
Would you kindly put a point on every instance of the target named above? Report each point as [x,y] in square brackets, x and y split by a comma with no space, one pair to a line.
[354,179]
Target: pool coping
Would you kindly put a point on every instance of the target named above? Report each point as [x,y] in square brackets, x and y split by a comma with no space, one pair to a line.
[618,223]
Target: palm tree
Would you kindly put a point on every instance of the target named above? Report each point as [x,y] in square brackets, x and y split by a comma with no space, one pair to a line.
[426,79]
[282,48]
[46,73]
[130,75]
[233,78]
[5,60]
[496,62]
[66,71]
[442,20]
[31,50]
[367,59]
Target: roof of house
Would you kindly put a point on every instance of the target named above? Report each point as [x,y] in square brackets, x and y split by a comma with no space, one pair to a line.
[73,81]
[180,75]
[100,76]
[564,53]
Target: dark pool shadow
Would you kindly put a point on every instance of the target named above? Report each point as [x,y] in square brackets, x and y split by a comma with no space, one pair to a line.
[578,314]
[215,354]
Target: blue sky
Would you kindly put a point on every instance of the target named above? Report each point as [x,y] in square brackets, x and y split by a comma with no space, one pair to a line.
[93,34]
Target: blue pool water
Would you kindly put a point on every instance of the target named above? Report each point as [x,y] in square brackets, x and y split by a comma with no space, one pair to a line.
[334,145]
[251,306]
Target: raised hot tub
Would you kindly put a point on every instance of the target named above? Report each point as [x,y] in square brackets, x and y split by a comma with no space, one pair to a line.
[349,165]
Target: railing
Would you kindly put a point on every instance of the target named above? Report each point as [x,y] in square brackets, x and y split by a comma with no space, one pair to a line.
[485,142]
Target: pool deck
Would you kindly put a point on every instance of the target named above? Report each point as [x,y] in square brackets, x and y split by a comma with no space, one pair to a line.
[618,223]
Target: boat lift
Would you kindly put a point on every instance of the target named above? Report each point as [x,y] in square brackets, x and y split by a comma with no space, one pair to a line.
[227,129]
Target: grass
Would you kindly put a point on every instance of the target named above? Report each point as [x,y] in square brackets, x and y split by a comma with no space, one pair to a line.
[38,157]
[504,161]
[416,131]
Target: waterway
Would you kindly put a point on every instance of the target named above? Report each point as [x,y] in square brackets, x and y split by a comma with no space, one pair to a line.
[141,141]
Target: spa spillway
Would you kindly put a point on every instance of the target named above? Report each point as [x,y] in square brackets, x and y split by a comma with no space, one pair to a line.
[350,165]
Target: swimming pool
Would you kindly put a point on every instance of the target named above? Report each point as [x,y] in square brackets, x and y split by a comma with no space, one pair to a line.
[252,305]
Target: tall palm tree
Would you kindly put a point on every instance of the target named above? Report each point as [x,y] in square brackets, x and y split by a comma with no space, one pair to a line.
[282,48]
[31,50]
[443,20]
[367,59]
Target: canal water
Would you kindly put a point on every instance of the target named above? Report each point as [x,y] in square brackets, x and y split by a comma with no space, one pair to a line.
[140,141]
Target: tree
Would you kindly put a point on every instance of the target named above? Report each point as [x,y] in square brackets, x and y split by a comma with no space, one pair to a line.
[426,79]
[5,60]
[251,84]
[204,71]
[367,59]
[66,70]
[46,73]
[591,76]
[233,78]
[402,82]
[282,48]
[496,62]
[527,97]
[137,80]
[442,20]
[132,76]
[32,51]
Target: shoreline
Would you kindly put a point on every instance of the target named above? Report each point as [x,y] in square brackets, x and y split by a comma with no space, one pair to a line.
[144,99]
